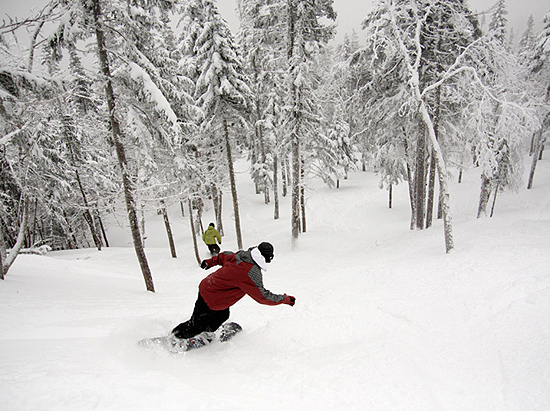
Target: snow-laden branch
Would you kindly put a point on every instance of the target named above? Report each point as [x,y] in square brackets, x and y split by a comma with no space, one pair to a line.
[6,139]
[155,94]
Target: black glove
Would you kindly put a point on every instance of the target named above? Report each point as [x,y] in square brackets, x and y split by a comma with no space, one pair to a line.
[204,266]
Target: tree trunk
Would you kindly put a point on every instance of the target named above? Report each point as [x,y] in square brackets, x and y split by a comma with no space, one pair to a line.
[193,231]
[536,153]
[420,178]
[431,192]
[2,251]
[233,186]
[10,258]
[533,143]
[119,147]
[295,113]
[390,193]
[432,170]
[494,201]
[484,195]
[88,215]
[103,233]
[275,187]
[303,196]
[284,175]
[217,200]
[410,182]
[142,221]
[442,173]
[168,229]
[295,217]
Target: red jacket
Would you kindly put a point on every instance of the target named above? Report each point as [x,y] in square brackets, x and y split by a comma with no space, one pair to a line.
[239,275]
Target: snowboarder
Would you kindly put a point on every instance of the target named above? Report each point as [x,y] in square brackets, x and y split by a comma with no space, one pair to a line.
[209,237]
[240,274]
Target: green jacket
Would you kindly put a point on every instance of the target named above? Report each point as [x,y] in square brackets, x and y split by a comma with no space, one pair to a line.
[210,236]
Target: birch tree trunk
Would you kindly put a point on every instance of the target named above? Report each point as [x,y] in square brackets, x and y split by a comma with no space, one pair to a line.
[119,147]
[233,186]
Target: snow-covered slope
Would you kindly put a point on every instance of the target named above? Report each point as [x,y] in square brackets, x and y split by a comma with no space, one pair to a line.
[384,319]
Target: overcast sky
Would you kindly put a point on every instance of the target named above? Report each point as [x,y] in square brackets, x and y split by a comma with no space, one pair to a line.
[350,12]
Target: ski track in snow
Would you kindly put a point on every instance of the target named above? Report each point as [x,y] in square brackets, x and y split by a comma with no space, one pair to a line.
[384,319]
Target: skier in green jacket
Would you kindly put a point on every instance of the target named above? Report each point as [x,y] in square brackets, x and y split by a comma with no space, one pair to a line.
[210,236]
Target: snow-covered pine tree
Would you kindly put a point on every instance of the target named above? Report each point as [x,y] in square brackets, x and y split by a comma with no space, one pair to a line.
[540,68]
[43,137]
[160,114]
[500,148]
[334,153]
[526,45]
[306,33]
[261,37]
[221,89]
[499,21]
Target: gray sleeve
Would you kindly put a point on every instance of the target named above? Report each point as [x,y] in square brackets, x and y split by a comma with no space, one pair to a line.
[255,275]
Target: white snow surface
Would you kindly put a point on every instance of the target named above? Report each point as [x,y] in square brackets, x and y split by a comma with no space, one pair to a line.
[384,318]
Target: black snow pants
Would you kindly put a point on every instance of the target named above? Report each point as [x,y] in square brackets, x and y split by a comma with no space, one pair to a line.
[202,319]
[214,249]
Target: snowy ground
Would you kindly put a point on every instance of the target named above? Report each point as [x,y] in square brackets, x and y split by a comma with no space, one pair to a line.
[384,319]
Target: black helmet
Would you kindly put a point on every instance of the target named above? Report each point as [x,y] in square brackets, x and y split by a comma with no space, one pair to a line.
[266,250]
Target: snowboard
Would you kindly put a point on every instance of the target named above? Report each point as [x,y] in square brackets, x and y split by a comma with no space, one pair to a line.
[178,345]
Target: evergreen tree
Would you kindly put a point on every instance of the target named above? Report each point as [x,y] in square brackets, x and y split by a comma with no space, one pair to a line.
[305,35]
[221,87]
[334,153]
[261,37]
[498,23]
[499,149]
[527,43]
[540,69]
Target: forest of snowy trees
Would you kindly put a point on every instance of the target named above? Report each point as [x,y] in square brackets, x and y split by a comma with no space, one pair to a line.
[148,103]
